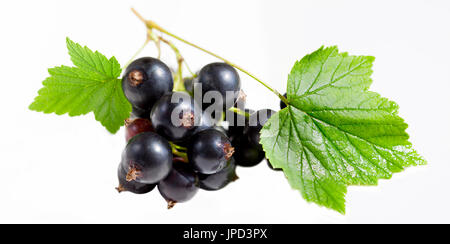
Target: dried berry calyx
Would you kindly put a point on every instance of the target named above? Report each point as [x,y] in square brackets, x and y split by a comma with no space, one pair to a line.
[132,174]
[136,77]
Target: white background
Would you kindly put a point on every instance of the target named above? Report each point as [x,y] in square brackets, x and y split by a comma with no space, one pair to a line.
[56,169]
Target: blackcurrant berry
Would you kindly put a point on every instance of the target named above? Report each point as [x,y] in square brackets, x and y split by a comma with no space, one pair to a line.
[220,179]
[136,126]
[147,158]
[282,104]
[180,185]
[175,116]
[247,154]
[131,186]
[209,151]
[256,122]
[221,78]
[145,81]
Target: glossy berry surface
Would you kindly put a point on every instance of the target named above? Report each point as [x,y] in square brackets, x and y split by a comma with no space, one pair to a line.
[220,129]
[220,77]
[247,154]
[180,185]
[209,151]
[147,158]
[145,81]
[175,116]
[282,104]
[237,123]
[137,126]
[256,122]
[131,186]
[220,179]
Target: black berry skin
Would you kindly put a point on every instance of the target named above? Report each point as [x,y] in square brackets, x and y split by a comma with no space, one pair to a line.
[220,129]
[131,186]
[145,81]
[137,113]
[282,104]
[220,179]
[235,120]
[180,185]
[209,151]
[247,154]
[147,158]
[187,115]
[256,122]
[220,77]
[134,127]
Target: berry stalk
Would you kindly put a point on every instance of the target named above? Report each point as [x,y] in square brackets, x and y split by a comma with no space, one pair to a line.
[239,111]
[177,151]
[152,25]
[136,54]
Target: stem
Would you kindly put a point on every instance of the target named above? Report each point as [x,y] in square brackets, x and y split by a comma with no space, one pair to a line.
[178,77]
[179,84]
[152,25]
[239,111]
[177,147]
[158,47]
[137,53]
[189,69]
[224,60]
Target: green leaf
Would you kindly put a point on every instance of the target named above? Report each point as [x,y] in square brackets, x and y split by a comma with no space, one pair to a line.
[335,132]
[92,86]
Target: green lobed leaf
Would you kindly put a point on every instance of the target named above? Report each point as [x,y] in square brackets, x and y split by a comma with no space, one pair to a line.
[92,86]
[335,132]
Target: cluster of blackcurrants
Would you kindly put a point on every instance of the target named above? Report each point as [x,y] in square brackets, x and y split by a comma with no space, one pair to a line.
[175,143]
